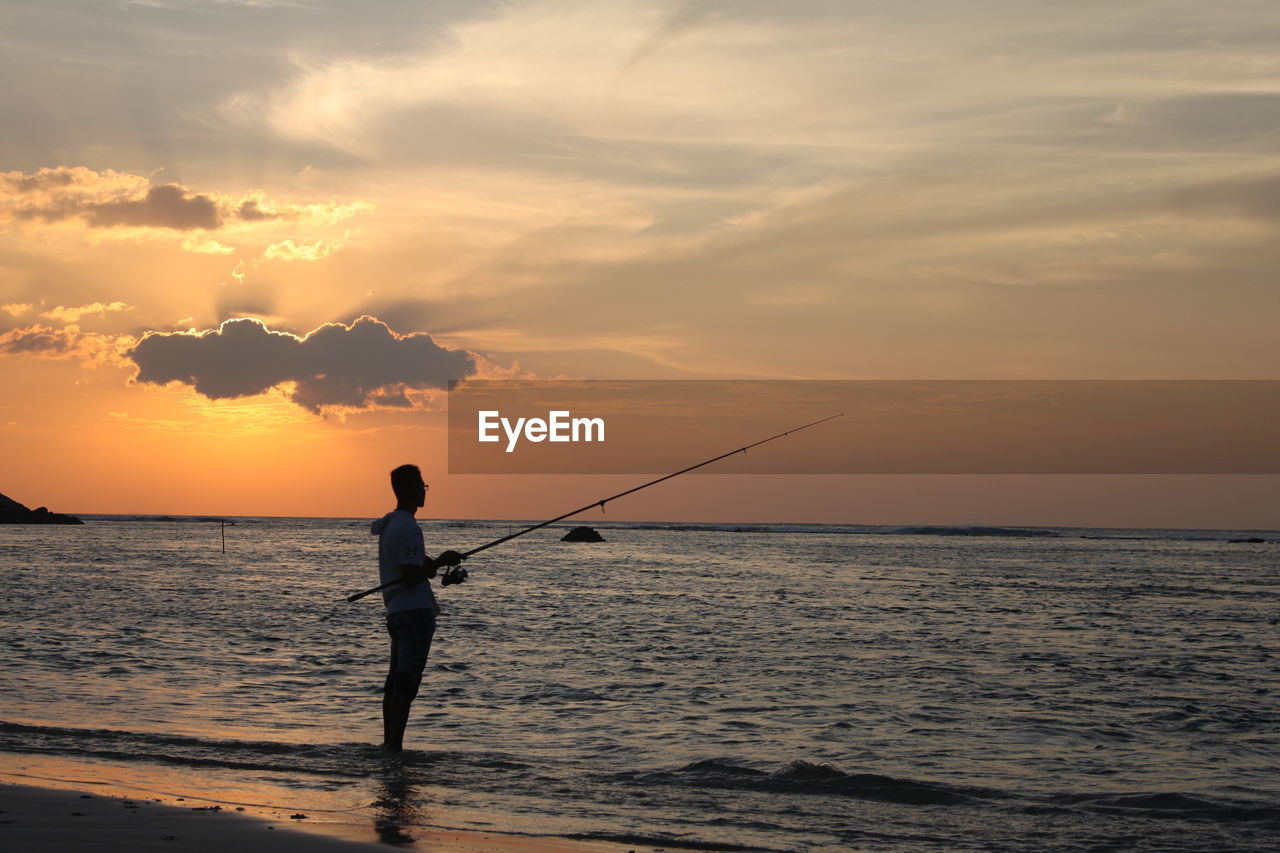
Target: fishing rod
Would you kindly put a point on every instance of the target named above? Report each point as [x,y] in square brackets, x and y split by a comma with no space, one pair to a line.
[601,503]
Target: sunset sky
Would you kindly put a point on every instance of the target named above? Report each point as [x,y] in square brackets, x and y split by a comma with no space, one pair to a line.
[627,190]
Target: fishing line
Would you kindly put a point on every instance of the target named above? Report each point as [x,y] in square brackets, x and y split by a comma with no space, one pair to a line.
[600,503]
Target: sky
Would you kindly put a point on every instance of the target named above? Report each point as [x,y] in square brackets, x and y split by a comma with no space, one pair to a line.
[244,244]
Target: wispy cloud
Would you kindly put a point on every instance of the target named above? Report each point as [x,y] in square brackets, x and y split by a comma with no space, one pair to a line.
[206,246]
[557,69]
[288,250]
[73,315]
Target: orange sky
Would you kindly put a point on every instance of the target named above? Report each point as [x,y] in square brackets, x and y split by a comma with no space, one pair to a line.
[624,190]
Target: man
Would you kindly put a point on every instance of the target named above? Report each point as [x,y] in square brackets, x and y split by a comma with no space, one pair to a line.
[411,604]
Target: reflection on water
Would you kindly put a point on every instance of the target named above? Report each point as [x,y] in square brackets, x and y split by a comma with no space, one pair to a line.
[395,809]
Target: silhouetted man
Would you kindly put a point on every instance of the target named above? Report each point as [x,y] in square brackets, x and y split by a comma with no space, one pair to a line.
[411,604]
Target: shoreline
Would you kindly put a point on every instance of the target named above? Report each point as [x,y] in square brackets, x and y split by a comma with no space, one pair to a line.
[116,819]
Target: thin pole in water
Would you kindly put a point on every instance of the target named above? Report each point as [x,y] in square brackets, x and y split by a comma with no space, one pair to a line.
[224,535]
[601,503]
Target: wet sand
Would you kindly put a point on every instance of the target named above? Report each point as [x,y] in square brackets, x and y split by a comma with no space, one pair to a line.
[45,819]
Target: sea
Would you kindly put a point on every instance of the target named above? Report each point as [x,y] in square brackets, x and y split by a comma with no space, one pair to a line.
[747,687]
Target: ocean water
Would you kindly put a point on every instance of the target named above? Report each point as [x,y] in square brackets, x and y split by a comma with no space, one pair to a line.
[758,687]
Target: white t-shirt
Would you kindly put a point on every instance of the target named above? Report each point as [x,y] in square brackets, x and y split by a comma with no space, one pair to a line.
[399,542]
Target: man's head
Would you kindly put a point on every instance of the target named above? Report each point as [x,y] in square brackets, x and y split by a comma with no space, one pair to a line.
[406,482]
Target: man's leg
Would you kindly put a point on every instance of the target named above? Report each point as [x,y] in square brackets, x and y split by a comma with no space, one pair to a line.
[411,634]
[395,717]
[392,734]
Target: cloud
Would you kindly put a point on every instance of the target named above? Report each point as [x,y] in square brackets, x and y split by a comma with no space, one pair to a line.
[73,315]
[40,341]
[168,206]
[335,367]
[16,309]
[112,199]
[41,181]
[288,250]
[199,246]
[250,211]
[502,66]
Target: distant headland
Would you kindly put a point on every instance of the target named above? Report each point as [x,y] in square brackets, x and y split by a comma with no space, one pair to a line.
[12,512]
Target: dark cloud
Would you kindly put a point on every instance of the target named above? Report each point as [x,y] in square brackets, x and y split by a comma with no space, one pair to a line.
[40,341]
[391,398]
[68,342]
[168,206]
[361,365]
[55,212]
[251,212]
[45,179]
[117,200]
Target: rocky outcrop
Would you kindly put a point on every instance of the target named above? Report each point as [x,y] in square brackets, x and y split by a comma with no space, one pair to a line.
[12,512]
[582,534]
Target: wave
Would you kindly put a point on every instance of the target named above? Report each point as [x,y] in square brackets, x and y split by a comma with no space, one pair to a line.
[495,771]
[659,841]
[1173,805]
[974,530]
[182,519]
[803,777]
[114,744]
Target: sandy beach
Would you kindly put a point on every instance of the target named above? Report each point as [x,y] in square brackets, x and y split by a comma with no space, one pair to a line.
[64,821]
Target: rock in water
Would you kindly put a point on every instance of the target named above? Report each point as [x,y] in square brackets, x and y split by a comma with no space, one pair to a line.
[12,512]
[582,534]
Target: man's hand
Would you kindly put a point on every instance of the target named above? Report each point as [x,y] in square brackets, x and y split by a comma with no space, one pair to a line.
[412,575]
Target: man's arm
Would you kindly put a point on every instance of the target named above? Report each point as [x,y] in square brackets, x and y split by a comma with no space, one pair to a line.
[412,574]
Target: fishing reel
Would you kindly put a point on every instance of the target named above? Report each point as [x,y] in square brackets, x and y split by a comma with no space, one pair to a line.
[452,575]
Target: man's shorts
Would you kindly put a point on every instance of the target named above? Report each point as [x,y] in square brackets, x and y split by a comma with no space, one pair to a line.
[411,632]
